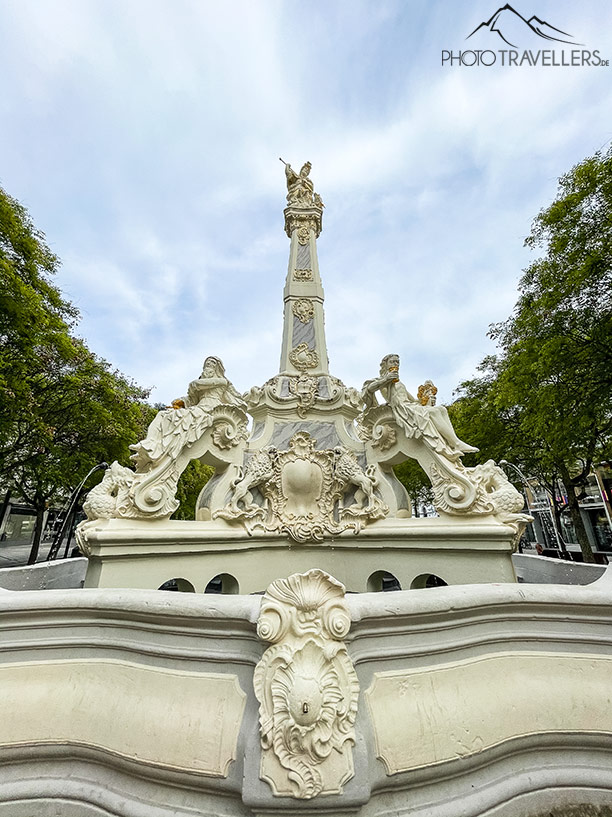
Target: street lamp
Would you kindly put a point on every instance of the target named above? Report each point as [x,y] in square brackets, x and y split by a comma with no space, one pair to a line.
[602,491]
[57,541]
[525,482]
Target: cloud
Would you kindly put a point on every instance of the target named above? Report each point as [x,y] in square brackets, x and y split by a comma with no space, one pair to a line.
[145,139]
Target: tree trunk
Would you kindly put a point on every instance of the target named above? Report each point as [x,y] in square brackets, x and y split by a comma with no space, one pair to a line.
[574,509]
[38,531]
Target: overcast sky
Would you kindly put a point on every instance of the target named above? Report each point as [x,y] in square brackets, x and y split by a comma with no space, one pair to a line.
[144,139]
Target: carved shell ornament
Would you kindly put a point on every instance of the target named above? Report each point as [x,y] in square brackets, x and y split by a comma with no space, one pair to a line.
[377,425]
[306,686]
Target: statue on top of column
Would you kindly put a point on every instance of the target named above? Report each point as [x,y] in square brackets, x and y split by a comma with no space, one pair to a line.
[300,189]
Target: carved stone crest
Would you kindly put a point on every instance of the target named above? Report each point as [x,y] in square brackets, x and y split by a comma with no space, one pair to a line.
[306,389]
[302,275]
[302,357]
[304,492]
[303,309]
[306,687]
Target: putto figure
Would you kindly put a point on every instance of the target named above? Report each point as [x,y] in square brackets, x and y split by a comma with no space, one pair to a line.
[417,417]
[300,189]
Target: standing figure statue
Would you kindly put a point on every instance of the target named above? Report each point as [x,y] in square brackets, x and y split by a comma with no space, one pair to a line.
[417,417]
[300,189]
[185,420]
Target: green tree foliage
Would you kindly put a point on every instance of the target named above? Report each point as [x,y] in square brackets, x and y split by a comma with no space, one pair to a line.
[79,412]
[549,391]
[62,408]
[416,483]
[191,482]
[32,313]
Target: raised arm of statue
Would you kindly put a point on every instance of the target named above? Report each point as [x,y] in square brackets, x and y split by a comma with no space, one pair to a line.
[212,387]
[389,368]
[290,175]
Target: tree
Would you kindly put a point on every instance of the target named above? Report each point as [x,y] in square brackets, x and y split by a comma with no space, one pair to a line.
[32,312]
[416,483]
[62,408]
[550,388]
[80,413]
[191,482]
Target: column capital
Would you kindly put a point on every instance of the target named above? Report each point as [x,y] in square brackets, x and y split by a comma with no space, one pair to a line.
[303,219]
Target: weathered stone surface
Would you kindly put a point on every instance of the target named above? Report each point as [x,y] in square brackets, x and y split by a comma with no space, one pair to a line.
[130,702]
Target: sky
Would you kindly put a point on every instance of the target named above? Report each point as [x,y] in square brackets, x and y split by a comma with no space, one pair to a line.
[144,136]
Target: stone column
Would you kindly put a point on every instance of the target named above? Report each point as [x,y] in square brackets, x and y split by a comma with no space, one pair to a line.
[304,349]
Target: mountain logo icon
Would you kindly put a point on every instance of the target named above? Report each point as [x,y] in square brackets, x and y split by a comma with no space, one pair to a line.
[513,28]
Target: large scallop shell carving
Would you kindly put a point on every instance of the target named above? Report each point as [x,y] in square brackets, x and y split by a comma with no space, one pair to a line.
[306,686]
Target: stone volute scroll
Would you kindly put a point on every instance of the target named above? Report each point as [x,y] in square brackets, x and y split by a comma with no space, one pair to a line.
[209,419]
[306,687]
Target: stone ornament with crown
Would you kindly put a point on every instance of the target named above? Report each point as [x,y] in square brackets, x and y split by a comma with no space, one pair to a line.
[304,490]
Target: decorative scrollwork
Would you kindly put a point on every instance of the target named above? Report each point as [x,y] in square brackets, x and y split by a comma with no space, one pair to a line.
[173,440]
[302,488]
[228,427]
[302,275]
[481,490]
[306,389]
[303,309]
[302,357]
[306,687]
[377,426]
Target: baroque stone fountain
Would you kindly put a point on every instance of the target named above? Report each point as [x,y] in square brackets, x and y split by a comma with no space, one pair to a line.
[311,484]
[483,699]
